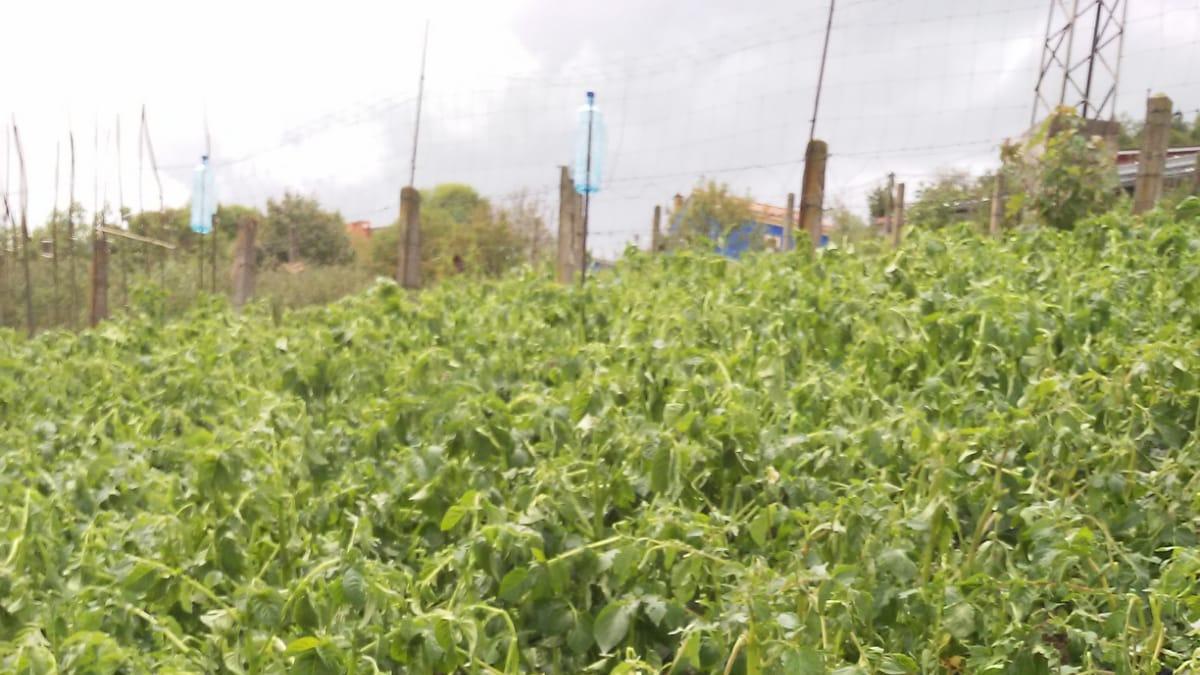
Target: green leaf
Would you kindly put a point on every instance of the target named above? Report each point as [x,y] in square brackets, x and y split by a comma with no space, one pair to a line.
[458,510]
[960,620]
[760,527]
[655,608]
[787,621]
[580,639]
[611,626]
[512,586]
[691,649]
[803,661]
[302,645]
[897,563]
[660,469]
[354,586]
[898,664]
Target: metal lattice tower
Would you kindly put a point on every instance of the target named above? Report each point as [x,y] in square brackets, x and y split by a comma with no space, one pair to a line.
[1081,58]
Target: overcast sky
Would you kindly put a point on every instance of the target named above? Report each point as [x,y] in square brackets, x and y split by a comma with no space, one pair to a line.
[319,97]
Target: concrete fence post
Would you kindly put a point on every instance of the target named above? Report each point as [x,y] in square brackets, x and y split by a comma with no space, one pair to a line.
[408,271]
[812,196]
[1153,158]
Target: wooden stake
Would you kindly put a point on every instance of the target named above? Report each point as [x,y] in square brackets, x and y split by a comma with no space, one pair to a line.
[1153,157]
[898,217]
[890,205]
[789,223]
[244,262]
[29,322]
[71,235]
[54,233]
[812,196]
[997,216]
[656,230]
[567,214]
[212,268]
[99,296]
[408,272]
[12,219]
[199,263]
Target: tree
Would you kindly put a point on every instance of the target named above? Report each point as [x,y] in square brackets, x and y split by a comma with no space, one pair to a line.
[1064,176]
[320,236]
[847,225]
[458,200]
[524,215]
[878,202]
[460,228]
[953,197]
[710,214]
[1183,133]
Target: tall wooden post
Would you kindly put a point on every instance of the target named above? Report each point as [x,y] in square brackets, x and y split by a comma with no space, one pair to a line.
[890,205]
[244,262]
[1153,157]
[997,215]
[99,295]
[71,235]
[199,263]
[898,215]
[212,267]
[656,230]
[409,268]
[812,196]
[579,240]
[789,223]
[29,321]
[570,236]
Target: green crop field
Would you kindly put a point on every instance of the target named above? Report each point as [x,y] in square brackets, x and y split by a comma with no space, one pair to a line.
[962,456]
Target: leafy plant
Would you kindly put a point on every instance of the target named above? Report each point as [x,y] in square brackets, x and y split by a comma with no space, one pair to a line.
[964,455]
[1066,174]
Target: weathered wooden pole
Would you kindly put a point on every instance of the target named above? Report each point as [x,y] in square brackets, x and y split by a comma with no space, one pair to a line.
[199,263]
[567,214]
[573,247]
[996,221]
[212,267]
[789,223]
[898,215]
[54,234]
[579,239]
[1153,157]
[812,196]
[29,321]
[244,262]
[656,230]
[99,295]
[71,234]
[890,204]
[408,272]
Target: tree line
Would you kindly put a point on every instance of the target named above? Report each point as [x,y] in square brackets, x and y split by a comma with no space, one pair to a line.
[464,234]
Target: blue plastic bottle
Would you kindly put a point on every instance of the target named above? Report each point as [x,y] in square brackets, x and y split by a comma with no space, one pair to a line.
[204,198]
[590,125]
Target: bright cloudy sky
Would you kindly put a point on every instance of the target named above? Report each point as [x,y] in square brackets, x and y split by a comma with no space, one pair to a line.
[318,97]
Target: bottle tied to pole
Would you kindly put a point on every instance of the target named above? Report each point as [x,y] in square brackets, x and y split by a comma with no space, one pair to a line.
[589,147]
[204,197]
